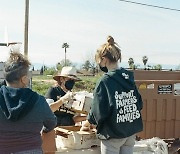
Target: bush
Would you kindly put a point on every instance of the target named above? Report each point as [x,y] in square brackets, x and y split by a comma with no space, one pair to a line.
[84,85]
[40,87]
[50,71]
[87,83]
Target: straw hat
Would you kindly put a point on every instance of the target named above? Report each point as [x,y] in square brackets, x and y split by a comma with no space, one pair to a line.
[69,72]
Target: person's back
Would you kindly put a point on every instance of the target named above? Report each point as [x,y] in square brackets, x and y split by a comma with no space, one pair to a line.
[23,114]
[116,106]
[118,93]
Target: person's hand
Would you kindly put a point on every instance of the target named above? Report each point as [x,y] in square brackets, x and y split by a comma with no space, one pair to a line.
[67,97]
[85,128]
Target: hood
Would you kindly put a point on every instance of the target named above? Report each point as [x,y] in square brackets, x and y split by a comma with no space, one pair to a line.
[16,103]
[122,76]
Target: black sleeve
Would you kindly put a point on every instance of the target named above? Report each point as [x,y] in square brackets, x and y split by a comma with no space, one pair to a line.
[49,119]
[51,93]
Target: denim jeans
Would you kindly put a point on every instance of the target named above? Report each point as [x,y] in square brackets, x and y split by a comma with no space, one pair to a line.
[118,146]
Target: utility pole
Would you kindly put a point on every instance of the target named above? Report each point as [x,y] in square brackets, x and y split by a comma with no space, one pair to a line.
[26,28]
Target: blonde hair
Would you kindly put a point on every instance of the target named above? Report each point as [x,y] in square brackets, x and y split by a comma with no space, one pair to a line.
[109,50]
[16,67]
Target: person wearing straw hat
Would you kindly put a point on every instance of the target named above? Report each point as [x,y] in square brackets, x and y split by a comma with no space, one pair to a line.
[61,93]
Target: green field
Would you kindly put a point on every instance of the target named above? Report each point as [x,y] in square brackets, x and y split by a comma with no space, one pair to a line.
[41,83]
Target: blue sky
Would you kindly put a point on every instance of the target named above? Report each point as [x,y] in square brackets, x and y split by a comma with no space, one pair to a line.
[85,24]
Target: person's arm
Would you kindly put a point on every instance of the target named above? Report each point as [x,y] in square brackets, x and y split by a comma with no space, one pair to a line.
[55,105]
[51,93]
[100,108]
[49,119]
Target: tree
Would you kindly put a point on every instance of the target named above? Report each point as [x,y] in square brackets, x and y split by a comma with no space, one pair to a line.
[149,67]
[131,63]
[66,62]
[136,66]
[157,67]
[61,64]
[33,68]
[144,59]
[42,70]
[45,68]
[86,65]
[65,46]
[58,66]
[90,64]
[178,67]
[50,71]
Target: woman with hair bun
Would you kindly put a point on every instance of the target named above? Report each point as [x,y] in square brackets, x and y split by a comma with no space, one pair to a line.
[24,114]
[117,104]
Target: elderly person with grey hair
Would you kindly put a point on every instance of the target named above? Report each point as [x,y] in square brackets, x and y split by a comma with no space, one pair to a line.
[24,114]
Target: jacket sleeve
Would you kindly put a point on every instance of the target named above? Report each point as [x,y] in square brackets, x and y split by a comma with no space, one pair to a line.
[49,119]
[100,108]
[51,94]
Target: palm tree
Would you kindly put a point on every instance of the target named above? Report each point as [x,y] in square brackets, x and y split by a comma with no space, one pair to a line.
[144,59]
[131,63]
[65,46]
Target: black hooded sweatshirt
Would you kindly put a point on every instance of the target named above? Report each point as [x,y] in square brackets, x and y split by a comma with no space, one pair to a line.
[116,106]
[23,114]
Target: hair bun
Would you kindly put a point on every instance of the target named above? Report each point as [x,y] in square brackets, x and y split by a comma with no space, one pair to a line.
[110,40]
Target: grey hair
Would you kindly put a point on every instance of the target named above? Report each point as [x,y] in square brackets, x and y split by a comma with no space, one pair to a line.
[16,67]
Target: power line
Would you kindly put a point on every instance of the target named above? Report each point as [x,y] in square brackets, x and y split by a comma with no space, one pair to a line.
[160,7]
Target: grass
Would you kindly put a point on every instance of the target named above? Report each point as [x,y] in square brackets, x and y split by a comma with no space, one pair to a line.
[41,83]
[40,87]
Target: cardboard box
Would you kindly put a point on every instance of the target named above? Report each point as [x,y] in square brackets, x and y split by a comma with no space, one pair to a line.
[81,103]
[72,137]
